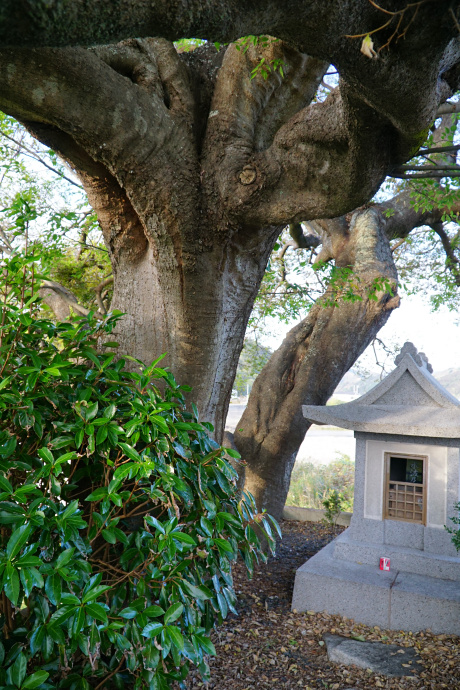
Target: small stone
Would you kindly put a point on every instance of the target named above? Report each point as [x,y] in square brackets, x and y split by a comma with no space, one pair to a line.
[385,659]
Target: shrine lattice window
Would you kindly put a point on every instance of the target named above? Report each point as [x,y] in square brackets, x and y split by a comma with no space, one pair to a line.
[405,487]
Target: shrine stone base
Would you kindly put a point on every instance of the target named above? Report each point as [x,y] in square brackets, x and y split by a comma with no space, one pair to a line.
[339,581]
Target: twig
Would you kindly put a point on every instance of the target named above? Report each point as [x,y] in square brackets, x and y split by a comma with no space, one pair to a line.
[4,237]
[394,14]
[102,683]
[423,176]
[398,244]
[435,167]
[98,291]
[455,19]
[368,33]
[61,292]
[40,160]
[439,149]
[453,262]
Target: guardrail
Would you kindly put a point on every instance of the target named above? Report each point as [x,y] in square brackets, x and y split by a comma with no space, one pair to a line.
[313,515]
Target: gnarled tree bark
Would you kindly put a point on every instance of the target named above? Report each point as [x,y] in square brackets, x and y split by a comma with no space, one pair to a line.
[193,167]
[315,355]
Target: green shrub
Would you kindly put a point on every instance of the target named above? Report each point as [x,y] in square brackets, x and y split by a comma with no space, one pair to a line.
[333,507]
[119,520]
[455,531]
[311,484]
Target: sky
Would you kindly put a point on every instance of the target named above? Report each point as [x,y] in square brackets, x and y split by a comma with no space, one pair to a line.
[437,334]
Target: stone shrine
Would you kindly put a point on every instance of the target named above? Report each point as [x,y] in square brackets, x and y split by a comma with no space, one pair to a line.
[407,483]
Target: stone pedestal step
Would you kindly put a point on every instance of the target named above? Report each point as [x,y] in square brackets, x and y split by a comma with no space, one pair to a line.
[394,600]
[401,558]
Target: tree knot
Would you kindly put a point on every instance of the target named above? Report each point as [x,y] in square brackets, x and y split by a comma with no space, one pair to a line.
[248,175]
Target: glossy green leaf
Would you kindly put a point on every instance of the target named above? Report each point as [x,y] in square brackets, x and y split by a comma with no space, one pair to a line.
[97,611]
[109,536]
[46,455]
[153,611]
[35,680]
[152,629]
[128,613]
[153,522]
[173,613]
[223,545]
[184,538]
[206,644]
[27,561]
[53,588]
[65,557]
[98,494]
[129,451]
[160,423]
[19,669]
[175,636]
[36,639]
[101,435]
[222,602]
[12,585]
[95,592]
[197,591]
[17,540]
[5,485]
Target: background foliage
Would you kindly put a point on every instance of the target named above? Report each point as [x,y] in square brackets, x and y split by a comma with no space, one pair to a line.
[311,484]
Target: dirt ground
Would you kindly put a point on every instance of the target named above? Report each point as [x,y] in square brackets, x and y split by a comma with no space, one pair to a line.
[268,646]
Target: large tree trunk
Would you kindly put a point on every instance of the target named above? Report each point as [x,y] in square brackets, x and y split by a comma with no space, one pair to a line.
[313,358]
[196,312]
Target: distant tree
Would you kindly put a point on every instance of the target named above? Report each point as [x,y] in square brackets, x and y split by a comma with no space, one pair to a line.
[253,358]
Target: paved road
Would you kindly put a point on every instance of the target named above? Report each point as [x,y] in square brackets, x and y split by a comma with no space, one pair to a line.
[320,445]
[233,417]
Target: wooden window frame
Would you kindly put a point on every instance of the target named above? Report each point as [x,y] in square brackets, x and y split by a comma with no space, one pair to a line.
[408,456]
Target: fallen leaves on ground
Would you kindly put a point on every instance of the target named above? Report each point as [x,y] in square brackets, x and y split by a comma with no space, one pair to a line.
[269,646]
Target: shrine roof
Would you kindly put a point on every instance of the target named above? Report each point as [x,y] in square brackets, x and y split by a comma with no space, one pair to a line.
[409,401]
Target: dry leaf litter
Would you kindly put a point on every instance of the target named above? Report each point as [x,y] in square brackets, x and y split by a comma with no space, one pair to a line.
[267,646]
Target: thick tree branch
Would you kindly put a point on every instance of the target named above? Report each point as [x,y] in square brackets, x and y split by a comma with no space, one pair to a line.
[246,112]
[119,121]
[107,21]
[424,175]
[439,168]
[408,70]
[6,246]
[99,292]
[137,128]
[452,262]
[299,241]
[123,231]
[302,240]
[439,149]
[61,300]
[272,427]
[296,177]
[448,108]
[401,216]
